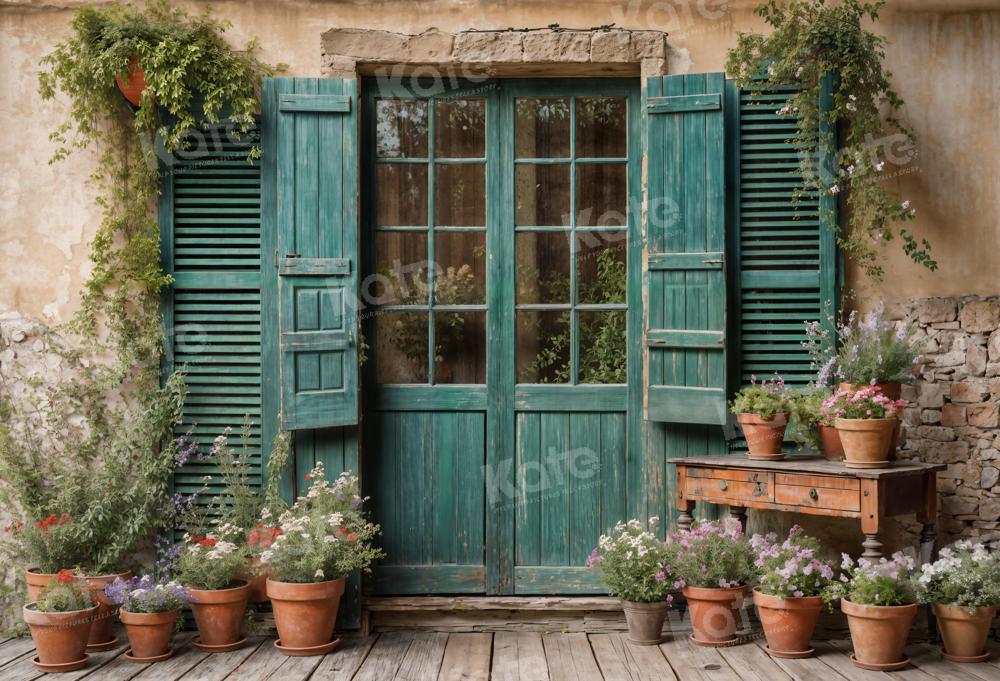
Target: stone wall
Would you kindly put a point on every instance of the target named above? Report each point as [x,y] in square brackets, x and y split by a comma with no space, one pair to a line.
[953,417]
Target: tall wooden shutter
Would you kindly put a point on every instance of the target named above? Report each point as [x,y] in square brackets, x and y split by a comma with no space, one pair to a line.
[786,260]
[685,242]
[210,223]
[317,251]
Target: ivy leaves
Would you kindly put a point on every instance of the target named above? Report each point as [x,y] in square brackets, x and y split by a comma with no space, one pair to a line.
[845,89]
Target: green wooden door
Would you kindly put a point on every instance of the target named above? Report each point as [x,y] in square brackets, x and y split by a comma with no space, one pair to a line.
[500,320]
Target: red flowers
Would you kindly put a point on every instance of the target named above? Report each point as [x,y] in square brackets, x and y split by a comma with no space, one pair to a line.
[54,521]
[14,528]
[264,536]
[65,576]
[206,542]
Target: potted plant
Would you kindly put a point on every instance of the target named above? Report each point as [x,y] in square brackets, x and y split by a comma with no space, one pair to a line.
[714,565]
[209,567]
[809,427]
[60,622]
[789,595]
[762,410]
[52,546]
[323,536]
[866,421]
[148,609]
[963,585]
[880,603]
[632,563]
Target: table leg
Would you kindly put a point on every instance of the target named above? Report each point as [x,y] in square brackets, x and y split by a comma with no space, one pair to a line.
[871,518]
[739,513]
[928,536]
[685,519]
[872,547]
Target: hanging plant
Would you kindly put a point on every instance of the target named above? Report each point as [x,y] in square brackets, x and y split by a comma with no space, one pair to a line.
[815,43]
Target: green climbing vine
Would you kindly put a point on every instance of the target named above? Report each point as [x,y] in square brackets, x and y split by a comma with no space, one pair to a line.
[815,40]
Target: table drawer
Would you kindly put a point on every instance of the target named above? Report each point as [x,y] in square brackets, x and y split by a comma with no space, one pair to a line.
[817,497]
[728,490]
[817,481]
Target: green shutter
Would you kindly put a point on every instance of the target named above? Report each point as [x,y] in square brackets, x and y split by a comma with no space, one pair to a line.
[786,259]
[317,251]
[210,223]
[685,244]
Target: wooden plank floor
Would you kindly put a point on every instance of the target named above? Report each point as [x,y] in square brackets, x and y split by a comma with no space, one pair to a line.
[501,656]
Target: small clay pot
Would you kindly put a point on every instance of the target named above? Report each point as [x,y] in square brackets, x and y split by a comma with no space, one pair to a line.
[788,622]
[715,613]
[36,581]
[764,436]
[256,575]
[829,438]
[305,614]
[645,621]
[879,633]
[60,637]
[102,633]
[964,631]
[893,391]
[866,441]
[134,83]
[219,613]
[148,632]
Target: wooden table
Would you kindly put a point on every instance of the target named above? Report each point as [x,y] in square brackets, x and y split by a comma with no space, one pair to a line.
[811,484]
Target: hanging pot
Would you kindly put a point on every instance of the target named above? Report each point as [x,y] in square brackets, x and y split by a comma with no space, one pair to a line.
[964,631]
[715,614]
[829,438]
[788,623]
[764,436]
[879,633]
[893,391]
[133,83]
[305,615]
[645,621]
[866,441]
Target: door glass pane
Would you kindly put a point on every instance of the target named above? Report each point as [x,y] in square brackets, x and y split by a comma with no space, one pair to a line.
[600,267]
[460,347]
[460,275]
[543,267]
[601,127]
[601,194]
[460,195]
[541,127]
[401,347]
[402,194]
[460,128]
[542,192]
[401,128]
[543,349]
[602,347]
[401,268]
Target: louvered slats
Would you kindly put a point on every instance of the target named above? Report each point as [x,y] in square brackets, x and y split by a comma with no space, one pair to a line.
[216,301]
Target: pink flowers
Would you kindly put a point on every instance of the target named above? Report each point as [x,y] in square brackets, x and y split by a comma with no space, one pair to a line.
[868,402]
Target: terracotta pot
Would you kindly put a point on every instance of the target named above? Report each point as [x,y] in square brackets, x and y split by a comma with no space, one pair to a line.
[134,83]
[764,436]
[893,391]
[788,622]
[715,613]
[305,614]
[102,633]
[866,441]
[219,613]
[878,632]
[964,631]
[833,448]
[60,637]
[36,581]
[148,632]
[257,579]
[645,621]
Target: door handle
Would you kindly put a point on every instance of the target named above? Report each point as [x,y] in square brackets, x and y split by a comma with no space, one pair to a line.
[292,255]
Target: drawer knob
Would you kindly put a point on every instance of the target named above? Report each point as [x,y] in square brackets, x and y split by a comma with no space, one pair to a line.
[813,494]
[758,491]
[722,485]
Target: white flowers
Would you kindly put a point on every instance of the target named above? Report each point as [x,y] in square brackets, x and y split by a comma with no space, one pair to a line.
[319,574]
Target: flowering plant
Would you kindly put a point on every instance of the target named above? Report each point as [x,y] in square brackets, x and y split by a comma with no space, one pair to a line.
[65,593]
[886,582]
[876,350]
[632,562]
[213,560]
[865,403]
[806,410]
[791,568]
[52,543]
[713,554]
[324,535]
[146,594]
[764,399]
[965,574]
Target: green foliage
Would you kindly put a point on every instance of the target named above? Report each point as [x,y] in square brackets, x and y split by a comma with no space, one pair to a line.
[324,535]
[632,563]
[713,555]
[965,574]
[65,593]
[213,560]
[885,582]
[764,399]
[805,415]
[874,349]
[814,39]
